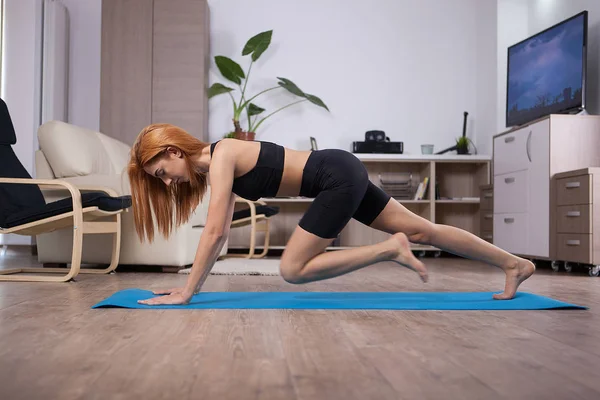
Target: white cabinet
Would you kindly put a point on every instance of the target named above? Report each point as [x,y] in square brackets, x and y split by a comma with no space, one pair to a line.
[521,190]
[524,161]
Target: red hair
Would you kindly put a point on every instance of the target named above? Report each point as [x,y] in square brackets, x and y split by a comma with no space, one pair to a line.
[149,194]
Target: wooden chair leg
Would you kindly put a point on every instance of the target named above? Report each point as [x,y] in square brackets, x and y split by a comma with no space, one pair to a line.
[116,248]
[252,253]
[264,229]
[11,274]
[113,227]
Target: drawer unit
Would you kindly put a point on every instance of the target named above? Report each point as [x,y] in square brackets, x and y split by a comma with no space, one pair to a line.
[511,192]
[573,190]
[486,221]
[526,161]
[574,219]
[510,231]
[577,216]
[513,151]
[487,198]
[486,212]
[575,247]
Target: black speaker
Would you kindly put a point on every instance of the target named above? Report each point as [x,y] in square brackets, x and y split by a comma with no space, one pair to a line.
[376,136]
[378,147]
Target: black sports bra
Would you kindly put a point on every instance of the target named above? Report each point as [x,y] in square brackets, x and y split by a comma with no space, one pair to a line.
[263,180]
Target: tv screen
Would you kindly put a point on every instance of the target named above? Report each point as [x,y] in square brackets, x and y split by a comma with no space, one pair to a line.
[546,72]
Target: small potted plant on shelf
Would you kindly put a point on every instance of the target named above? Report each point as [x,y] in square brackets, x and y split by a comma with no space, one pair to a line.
[462,145]
[232,71]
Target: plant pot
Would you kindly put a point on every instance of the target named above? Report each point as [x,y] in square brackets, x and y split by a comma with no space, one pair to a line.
[462,150]
[245,135]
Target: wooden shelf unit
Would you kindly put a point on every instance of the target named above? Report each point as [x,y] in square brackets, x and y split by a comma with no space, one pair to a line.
[457,177]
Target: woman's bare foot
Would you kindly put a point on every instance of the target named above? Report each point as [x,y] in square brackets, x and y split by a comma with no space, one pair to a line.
[516,273]
[402,254]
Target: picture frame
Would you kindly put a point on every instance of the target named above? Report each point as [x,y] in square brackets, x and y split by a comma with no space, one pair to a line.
[313,144]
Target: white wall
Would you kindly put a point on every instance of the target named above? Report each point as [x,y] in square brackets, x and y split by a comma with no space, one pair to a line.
[21,70]
[512,27]
[407,67]
[484,119]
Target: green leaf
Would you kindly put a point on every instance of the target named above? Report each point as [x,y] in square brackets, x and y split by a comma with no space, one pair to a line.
[291,87]
[253,109]
[315,100]
[217,89]
[257,44]
[230,69]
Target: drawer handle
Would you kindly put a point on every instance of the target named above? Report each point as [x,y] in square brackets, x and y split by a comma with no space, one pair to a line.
[509,139]
[509,180]
[573,242]
[509,220]
[572,185]
[488,216]
[527,147]
[488,195]
[573,213]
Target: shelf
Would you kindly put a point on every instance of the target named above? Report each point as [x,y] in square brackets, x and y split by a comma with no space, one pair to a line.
[413,201]
[457,178]
[309,200]
[457,201]
[421,158]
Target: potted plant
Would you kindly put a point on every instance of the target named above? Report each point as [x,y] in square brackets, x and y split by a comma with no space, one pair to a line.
[462,145]
[232,71]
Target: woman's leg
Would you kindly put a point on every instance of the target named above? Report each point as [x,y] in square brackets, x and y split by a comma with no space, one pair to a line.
[340,182]
[303,259]
[397,218]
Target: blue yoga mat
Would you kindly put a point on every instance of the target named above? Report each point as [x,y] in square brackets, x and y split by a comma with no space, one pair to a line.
[128,298]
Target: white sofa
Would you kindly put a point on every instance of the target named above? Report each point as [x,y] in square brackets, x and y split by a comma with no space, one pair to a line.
[87,158]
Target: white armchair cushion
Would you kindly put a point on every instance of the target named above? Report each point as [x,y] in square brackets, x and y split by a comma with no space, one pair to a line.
[72,150]
[117,151]
[42,168]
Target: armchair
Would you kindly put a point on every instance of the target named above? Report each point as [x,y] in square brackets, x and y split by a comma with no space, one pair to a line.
[24,211]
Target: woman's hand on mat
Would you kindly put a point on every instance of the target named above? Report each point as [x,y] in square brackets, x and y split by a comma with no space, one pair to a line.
[171,299]
[169,291]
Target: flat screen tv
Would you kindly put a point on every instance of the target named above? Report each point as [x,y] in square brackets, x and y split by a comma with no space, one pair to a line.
[546,72]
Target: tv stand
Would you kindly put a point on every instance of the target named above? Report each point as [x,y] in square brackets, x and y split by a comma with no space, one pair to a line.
[524,162]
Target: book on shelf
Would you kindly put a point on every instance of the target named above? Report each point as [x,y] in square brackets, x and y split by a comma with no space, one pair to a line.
[421,189]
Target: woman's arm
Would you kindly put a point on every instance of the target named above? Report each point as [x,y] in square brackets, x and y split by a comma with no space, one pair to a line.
[214,234]
[195,282]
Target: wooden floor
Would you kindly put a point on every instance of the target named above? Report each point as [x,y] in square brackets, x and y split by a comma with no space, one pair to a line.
[53,346]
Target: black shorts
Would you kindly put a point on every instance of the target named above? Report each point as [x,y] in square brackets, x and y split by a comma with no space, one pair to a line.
[340,185]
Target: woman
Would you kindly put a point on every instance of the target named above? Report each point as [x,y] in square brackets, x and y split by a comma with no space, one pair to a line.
[168,172]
